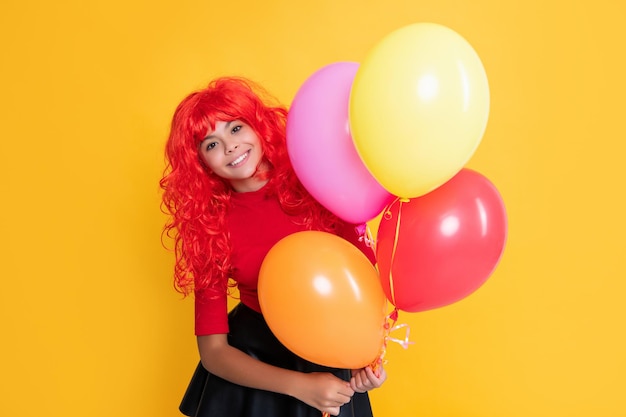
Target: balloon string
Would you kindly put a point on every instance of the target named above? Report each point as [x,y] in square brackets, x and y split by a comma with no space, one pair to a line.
[402,342]
[390,321]
[395,243]
[365,235]
[390,326]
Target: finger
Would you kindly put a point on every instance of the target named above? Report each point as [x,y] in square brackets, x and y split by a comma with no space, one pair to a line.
[358,383]
[371,376]
[383,375]
[353,385]
[333,411]
[346,389]
[374,380]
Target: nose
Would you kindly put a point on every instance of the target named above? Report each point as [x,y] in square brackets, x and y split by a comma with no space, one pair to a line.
[232,147]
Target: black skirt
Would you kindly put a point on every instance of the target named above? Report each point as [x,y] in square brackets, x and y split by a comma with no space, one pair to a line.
[211,396]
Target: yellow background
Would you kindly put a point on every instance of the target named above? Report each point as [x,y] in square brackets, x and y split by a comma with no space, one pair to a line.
[90,322]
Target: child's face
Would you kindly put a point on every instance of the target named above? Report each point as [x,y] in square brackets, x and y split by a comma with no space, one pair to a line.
[233,151]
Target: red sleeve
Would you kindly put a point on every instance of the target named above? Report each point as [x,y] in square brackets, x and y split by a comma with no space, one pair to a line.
[353,234]
[211,309]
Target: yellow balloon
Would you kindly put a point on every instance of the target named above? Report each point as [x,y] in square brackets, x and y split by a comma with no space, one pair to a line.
[419,106]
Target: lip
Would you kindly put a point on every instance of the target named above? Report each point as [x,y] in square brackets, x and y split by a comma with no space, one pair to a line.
[240,159]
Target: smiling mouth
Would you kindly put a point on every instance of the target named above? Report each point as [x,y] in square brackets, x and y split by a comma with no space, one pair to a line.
[239,160]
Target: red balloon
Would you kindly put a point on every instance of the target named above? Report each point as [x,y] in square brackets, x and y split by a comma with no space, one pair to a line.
[436,249]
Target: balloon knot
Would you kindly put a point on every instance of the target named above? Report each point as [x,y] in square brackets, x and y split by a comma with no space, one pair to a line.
[366,236]
[394,315]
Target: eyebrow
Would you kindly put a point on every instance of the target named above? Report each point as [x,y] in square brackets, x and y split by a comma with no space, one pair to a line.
[225,128]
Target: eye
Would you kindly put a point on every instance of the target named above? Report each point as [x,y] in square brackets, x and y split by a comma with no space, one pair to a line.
[210,146]
[235,129]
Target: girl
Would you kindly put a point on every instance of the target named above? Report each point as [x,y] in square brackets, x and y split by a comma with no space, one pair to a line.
[231,194]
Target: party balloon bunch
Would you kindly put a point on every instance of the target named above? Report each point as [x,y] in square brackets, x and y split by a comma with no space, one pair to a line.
[390,136]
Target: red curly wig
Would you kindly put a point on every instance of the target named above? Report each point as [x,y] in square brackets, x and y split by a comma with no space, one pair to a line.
[196,201]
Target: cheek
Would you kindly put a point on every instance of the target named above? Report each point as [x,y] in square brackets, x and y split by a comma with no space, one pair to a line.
[203,159]
[207,160]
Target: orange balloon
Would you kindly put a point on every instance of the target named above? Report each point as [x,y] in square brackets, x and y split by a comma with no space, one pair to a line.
[323,300]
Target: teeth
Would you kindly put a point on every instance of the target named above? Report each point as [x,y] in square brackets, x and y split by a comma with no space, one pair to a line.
[238,160]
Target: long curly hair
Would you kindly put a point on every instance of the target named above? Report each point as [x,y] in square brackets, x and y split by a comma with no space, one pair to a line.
[196,200]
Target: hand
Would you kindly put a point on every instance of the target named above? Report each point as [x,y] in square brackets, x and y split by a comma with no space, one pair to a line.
[365,379]
[323,391]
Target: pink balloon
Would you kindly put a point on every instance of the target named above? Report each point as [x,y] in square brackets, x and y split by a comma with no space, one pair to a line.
[321,150]
[436,249]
